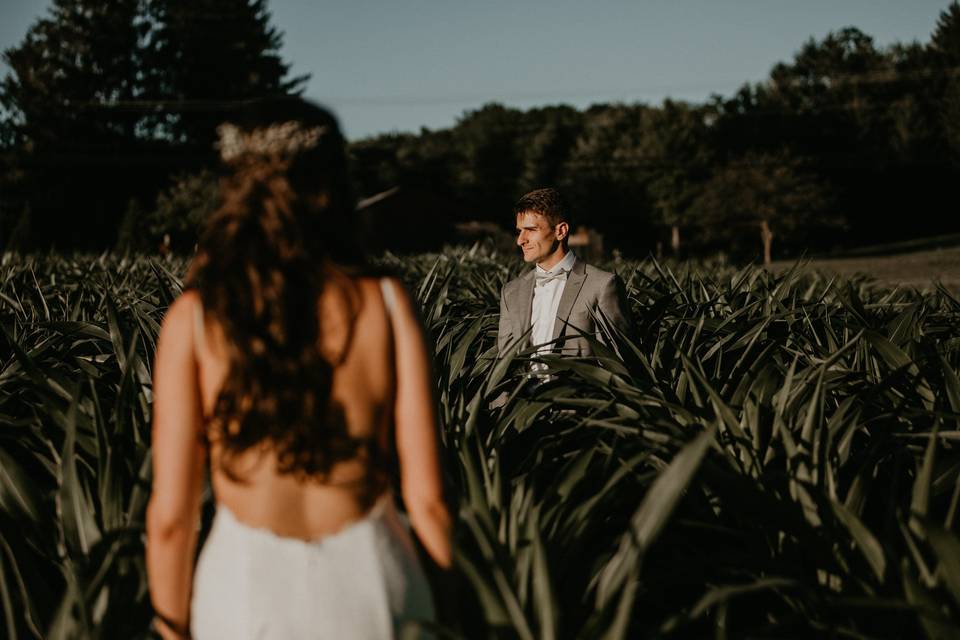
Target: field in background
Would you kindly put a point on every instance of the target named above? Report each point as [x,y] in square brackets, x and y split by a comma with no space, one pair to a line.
[768,455]
[922,269]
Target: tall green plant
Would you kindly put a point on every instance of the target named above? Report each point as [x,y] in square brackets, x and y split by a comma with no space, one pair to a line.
[770,455]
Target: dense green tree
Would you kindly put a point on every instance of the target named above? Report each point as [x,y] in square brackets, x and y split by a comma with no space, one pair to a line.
[945,39]
[675,146]
[67,109]
[870,121]
[553,132]
[430,160]
[491,140]
[945,47]
[74,65]
[821,101]
[603,177]
[107,98]
[180,210]
[770,194]
[209,55]
[875,125]
[375,164]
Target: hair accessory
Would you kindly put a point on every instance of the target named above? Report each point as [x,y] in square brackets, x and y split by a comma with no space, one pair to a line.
[287,138]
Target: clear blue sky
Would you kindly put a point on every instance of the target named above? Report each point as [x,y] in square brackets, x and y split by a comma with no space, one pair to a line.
[398,65]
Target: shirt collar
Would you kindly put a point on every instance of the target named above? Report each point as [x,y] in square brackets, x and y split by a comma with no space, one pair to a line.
[564,265]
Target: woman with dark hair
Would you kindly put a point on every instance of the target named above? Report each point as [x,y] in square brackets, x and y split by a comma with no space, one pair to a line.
[301,381]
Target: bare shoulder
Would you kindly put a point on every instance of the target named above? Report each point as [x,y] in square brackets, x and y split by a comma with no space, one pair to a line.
[175,344]
[179,316]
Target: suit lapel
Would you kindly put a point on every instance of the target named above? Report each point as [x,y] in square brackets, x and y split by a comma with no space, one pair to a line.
[523,301]
[570,292]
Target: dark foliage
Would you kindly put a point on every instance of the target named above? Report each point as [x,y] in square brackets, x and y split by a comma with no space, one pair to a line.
[874,130]
[107,99]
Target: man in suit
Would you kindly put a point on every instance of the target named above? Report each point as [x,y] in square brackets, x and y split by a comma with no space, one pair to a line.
[549,305]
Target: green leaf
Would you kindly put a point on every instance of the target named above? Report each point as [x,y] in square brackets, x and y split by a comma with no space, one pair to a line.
[544,597]
[936,624]
[921,485]
[652,515]
[80,530]
[6,598]
[947,547]
[18,492]
[868,544]
[952,386]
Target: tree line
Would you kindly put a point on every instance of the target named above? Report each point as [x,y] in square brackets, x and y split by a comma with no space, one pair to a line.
[848,144]
[110,108]
[107,99]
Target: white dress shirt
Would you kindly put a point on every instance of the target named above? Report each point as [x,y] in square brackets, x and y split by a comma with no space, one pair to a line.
[547,290]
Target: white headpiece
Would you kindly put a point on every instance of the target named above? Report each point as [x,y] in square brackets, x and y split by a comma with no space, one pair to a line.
[284,139]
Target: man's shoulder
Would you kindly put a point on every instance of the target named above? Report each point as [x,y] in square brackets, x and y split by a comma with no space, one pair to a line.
[510,285]
[596,273]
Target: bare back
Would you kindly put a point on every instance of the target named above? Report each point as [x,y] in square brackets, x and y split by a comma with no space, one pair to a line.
[356,332]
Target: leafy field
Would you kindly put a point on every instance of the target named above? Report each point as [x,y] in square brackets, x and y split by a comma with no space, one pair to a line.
[769,456]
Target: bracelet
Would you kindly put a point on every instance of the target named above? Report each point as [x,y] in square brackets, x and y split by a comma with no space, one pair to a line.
[182,630]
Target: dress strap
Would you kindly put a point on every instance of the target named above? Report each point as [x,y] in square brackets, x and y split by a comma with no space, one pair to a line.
[389,296]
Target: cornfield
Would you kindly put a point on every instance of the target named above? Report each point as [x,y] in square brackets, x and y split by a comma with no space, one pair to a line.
[764,456]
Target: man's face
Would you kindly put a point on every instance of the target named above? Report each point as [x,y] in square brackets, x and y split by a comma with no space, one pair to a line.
[541,243]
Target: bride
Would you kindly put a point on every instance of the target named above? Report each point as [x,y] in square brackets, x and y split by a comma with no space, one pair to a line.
[305,385]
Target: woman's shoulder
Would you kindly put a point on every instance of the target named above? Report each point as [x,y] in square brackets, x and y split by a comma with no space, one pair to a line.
[183,312]
[371,281]
[178,332]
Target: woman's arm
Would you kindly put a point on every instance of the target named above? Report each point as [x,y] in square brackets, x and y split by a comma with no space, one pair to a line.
[178,457]
[416,431]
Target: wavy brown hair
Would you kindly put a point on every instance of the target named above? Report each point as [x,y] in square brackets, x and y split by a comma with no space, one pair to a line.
[284,225]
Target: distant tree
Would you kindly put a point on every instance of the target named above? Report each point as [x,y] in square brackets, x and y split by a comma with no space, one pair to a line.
[945,45]
[675,148]
[181,209]
[876,127]
[19,238]
[132,235]
[826,95]
[552,133]
[603,177]
[209,55]
[945,39]
[431,162]
[106,98]
[868,119]
[769,193]
[73,66]
[375,164]
[491,140]
[909,104]
[951,118]
[66,106]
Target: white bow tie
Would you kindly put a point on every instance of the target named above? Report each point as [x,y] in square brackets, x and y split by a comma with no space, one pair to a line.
[544,278]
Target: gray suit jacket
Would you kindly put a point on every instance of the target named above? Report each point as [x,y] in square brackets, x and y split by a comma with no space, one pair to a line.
[587,290]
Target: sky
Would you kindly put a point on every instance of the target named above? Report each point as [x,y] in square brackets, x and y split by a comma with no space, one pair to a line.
[399,65]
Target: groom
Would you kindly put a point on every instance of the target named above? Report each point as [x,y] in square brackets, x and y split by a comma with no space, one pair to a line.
[550,305]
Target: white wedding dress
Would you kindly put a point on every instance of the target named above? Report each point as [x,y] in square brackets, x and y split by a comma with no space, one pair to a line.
[363,582]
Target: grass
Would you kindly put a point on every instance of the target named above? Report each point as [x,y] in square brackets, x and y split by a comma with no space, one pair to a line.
[770,454]
[922,270]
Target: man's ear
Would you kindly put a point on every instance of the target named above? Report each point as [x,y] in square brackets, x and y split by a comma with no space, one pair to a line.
[562,230]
